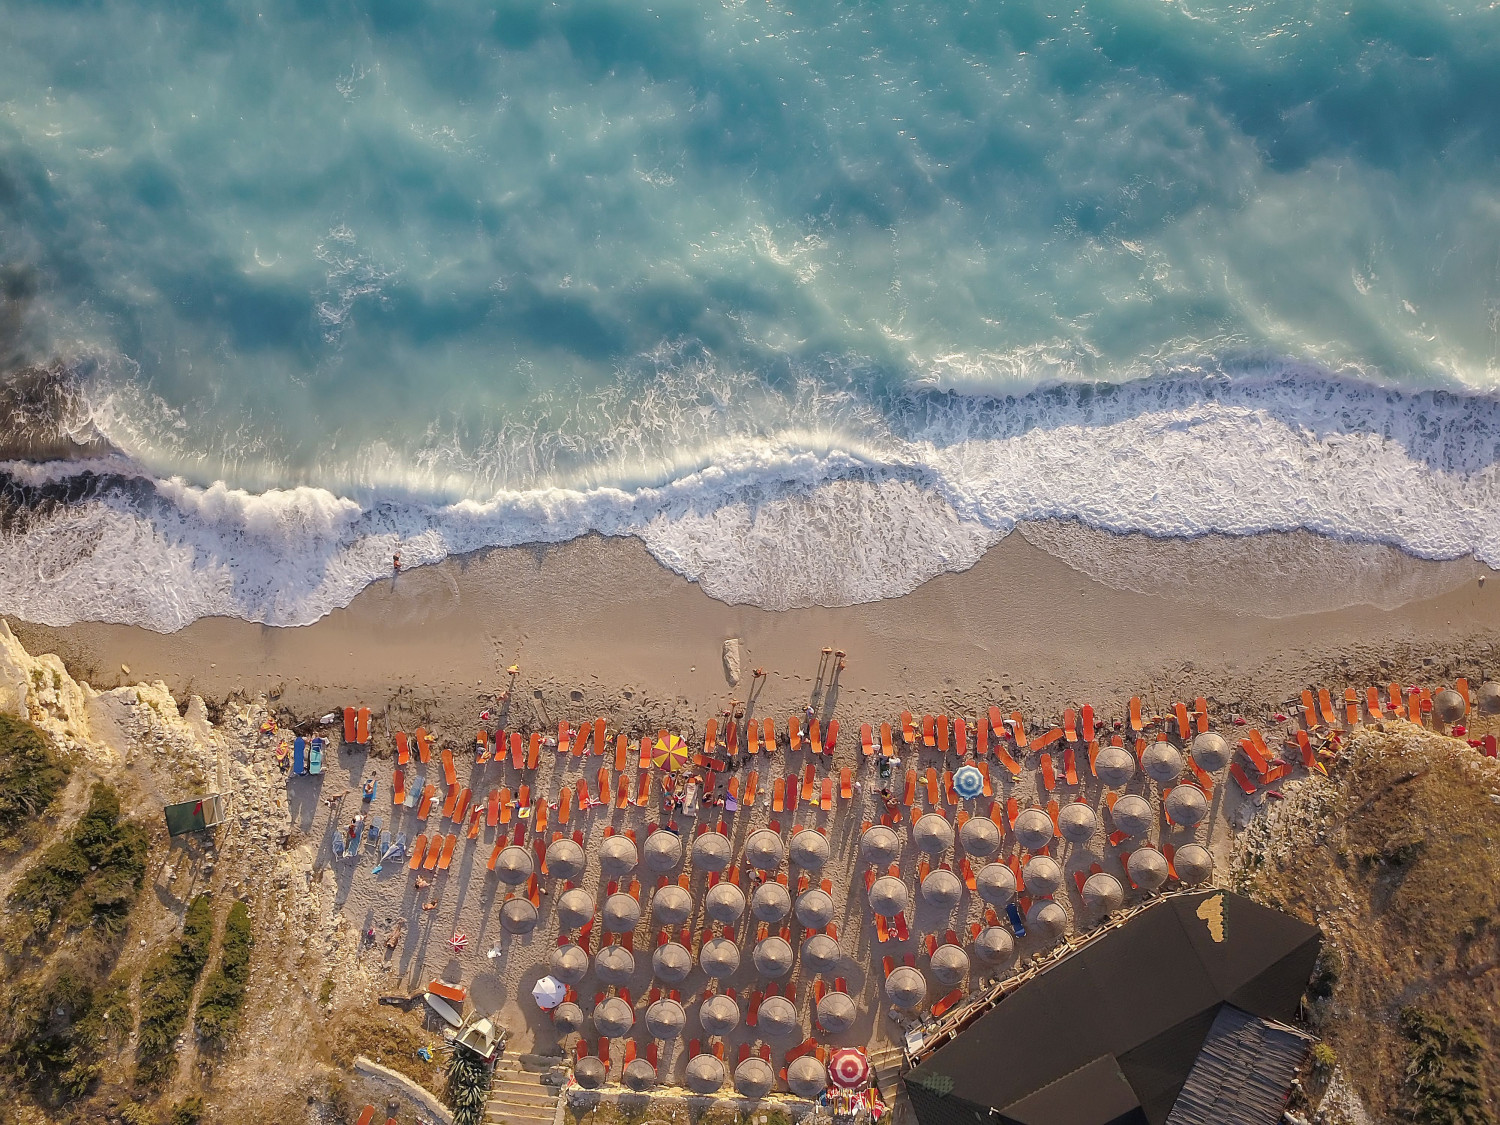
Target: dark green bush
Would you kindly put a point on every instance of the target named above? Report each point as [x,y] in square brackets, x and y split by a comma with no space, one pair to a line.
[88,879]
[224,990]
[167,992]
[1444,1073]
[31,776]
[56,1029]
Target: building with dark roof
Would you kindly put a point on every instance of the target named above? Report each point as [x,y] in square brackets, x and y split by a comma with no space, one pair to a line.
[1177,1017]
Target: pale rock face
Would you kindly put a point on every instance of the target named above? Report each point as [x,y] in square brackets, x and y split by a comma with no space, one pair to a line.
[732,661]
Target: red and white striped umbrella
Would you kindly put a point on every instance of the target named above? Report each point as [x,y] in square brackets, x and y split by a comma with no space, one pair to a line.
[459,941]
[848,1068]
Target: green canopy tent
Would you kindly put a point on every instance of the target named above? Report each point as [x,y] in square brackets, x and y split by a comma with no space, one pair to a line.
[195,815]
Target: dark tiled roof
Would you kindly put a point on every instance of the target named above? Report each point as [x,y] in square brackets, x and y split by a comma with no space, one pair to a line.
[1144,996]
[1243,1072]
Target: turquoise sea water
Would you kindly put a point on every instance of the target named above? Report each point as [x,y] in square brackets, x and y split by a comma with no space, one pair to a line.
[818,299]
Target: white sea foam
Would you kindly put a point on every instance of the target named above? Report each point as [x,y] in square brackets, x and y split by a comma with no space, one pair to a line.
[791,519]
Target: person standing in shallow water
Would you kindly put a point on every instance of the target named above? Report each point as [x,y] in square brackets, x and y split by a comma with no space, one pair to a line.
[396,562]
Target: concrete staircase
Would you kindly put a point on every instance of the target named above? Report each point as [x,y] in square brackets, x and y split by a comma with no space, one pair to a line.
[887,1060]
[518,1097]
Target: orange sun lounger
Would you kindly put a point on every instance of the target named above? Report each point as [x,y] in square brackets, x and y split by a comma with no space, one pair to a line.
[778,795]
[425,806]
[807,782]
[461,809]
[1088,723]
[794,732]
[434,848]
[1309,713]
[1070,766]
[1043,741]
[827,802]
[565,806]
[1351,708]
[481,747]
[1325,706]
[948,790]
[563,736]
[929,731]
[1239,776]
[622,753]
[932,786]
[815,737]
[1070,725]
[887,746]
[1184,727]
[403,748]
[911,787]
[580,743]
[751,783]
[492,809]
[867,740]
[447,857]
[449,801]
[831,738]
[349,724]
[908,731]
[960,736]
[449,775]
[942,733]
[1135,714]
[366,1115]
[599,731]
[1049,775]
[1006,760]
[846,783]
[398,787]
[424,745]
[1200,708]
[533,748]
[768,735]
[418,852]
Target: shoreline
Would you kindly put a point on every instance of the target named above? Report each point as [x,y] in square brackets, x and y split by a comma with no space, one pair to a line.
[597,624]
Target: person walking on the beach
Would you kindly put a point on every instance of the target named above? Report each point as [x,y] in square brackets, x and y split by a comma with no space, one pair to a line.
[396,562]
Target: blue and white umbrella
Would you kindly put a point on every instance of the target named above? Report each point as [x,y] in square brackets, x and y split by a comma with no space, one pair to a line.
[968,782]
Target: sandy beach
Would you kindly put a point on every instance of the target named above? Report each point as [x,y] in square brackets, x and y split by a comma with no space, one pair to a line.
[598,626]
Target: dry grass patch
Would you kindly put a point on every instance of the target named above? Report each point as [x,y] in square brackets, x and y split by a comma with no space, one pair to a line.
[385,1037]
[1397,858]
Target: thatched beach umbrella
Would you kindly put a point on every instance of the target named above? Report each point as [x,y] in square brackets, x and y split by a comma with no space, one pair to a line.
[773,957]
[1148,868]
[665,1019]
[514,865]
[994,945]
[567,1017]
[1162,762]
[949,965]
[1193,864]
[671,962]
[995,883]
[1487,698]
[1047,921]
[565,859]
[663,850]
[517,916]
[1102,893]
[719,1015]
[771,902]
[1211,752]
[941,888]
[1033,830]
[711,852]
[809,849]
[614,965]
[1448,706]
[836,1013]
[590,1072]
[1077,822]
[621,913]
[705,1074]
[639,1074]
[1114,766]
[905,987]
[754,1077]
[888,896]
[1131,814]
[1042,875]
[574,908]
[568,964]
[806,1076]
[1186,805]
[814,908]
[821,953]
[980,837]
[932,833]
[777,1018]
[719,958]
[618,856]
[725,902]
[764,850]
[671,906]
[613,1018]
[880,846]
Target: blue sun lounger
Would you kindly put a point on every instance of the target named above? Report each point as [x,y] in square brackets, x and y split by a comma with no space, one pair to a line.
[299,755]
[315,756]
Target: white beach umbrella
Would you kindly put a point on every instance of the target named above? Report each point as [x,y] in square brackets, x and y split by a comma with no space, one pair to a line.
[548,993]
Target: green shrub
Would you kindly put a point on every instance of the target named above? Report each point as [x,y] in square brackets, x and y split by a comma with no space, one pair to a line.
[88,879]
[57,1027]
[1324,1058]
[468,1086]
[224,990]
[31,776]
[1445,1072]
[189,1111]
[167,992]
